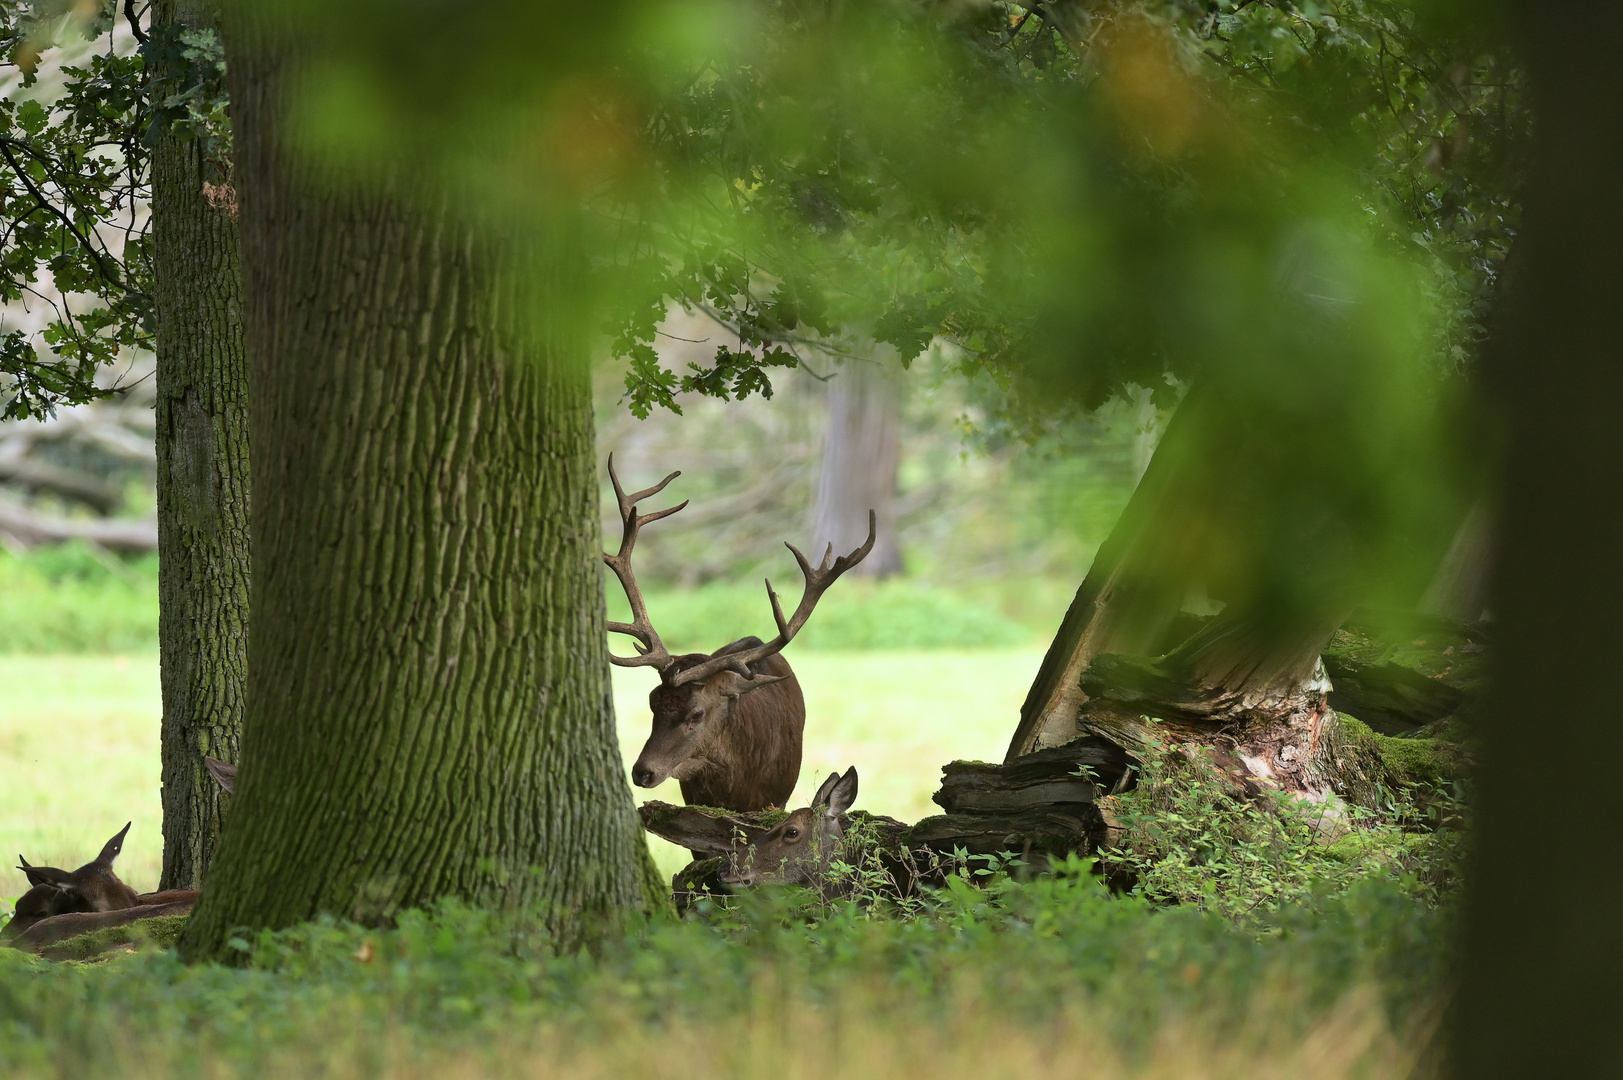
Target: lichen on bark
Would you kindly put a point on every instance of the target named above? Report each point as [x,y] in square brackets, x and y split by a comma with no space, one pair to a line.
[202,486]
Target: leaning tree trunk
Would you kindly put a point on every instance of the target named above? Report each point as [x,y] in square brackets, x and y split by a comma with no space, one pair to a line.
[861,452]
[1132,592]
[429,703]
[1459,588]
[202,449]
[1545,873]
[1249,683]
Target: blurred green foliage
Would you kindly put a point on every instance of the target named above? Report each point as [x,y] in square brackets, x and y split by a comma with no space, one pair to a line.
[68,598]
[72,598]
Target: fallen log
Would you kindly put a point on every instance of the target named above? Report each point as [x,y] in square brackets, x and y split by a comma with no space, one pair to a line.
[30,528]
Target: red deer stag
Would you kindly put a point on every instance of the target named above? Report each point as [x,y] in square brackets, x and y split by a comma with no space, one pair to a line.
[798,849]
[728,724]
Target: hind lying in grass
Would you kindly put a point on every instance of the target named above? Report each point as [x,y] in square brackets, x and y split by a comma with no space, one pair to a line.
[61,905]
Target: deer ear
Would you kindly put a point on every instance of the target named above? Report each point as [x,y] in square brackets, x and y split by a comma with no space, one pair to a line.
[823,792]
[110,850]
[842,793]
[43,875]
[732,684]
[224,773]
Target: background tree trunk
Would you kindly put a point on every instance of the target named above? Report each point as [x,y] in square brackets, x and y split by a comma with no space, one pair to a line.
[1543,946]
[1459,588]
[202,450]
[861,452]
[429,703]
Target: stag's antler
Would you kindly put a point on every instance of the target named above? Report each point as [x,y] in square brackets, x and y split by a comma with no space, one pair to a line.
[817,583]
[651,650]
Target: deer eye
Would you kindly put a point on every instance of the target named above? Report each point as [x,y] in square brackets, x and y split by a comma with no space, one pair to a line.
[694,717]
[791,834]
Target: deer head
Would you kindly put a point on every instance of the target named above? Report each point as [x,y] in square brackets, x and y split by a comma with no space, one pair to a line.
[32,906]
[92,887]
[697,693]
[799,849]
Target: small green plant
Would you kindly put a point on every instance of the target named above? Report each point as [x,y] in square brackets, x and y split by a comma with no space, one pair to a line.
[1187,834]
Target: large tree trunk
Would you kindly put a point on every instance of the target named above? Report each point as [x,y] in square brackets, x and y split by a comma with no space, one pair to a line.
[1543,946]
[202,450]
[861,452]
[429,709]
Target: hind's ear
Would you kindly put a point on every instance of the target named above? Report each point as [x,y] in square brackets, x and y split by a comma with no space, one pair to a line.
[224,773]
[43,875]
[821,798]
[110,850]
[842,793]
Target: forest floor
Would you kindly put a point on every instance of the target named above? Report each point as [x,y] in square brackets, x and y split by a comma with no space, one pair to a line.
[79,742]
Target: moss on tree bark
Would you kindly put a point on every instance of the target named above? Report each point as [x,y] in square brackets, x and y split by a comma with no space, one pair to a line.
[429,708]
[202,452]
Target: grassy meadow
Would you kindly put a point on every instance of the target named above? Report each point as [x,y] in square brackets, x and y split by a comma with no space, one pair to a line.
[79,741]
[1333,972]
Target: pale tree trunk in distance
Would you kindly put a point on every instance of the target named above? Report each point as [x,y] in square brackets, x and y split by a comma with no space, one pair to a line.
[429,709]
[861,453]
[202,450]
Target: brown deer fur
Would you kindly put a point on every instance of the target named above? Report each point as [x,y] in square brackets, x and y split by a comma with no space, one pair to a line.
[32,906]
[799,849]
[731,744]
[92,889]
[48,932]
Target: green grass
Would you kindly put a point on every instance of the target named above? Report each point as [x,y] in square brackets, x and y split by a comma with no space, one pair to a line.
[79,758]
[72,598]
[79,742]
[1038,980]
[1047,979]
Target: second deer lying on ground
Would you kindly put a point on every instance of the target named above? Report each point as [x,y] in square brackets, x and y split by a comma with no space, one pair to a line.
[800,848]
[84,899]
[727,724]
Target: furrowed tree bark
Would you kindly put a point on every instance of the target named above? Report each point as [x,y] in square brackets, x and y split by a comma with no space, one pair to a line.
[1543,883]
[202,450]
[429,702]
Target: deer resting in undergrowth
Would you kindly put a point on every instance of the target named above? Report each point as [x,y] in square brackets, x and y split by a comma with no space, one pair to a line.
[84,899]
[800,849]
[727,724]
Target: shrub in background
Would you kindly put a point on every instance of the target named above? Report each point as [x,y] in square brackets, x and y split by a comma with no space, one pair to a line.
[77,599]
